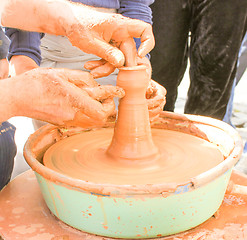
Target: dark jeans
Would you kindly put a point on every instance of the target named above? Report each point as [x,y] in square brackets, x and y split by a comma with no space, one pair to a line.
[7,152]
[217,28]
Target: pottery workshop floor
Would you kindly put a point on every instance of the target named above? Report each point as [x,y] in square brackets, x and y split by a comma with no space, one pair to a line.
[25,128]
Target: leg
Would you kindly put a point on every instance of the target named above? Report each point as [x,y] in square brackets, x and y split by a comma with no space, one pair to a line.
[169,57]
[241,67]
[229,108]
[217,31]
[242,60]
[7,152]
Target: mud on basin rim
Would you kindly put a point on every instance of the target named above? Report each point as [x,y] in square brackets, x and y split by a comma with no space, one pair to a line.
[48,134]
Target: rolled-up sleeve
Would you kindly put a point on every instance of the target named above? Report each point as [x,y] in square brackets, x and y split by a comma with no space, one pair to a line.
[24,43]
[138,9]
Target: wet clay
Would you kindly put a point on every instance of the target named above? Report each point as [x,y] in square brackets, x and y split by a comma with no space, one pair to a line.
[132,153]
[132,139]
[84,156]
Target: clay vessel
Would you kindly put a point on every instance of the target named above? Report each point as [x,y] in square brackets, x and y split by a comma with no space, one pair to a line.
[132,139]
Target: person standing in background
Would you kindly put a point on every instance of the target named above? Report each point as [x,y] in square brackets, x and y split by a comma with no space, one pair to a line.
[217,29]
[241,67]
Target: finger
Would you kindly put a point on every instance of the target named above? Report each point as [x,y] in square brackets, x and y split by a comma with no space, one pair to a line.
[151,90]
[160,89]
[103,70]
[104,92]
[108,52]
[156,101]
[128,47]
[147,42]
[155,112]
[157,89]
[150,93]
[144,31]
[109,108]
[90,65]
[82,120]
[80,100]
[78,77]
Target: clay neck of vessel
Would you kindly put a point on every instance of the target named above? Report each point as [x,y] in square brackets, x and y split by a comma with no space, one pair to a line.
[132,139]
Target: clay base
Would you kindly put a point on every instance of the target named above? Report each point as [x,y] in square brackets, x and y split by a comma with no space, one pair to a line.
[84,156]
[24,215]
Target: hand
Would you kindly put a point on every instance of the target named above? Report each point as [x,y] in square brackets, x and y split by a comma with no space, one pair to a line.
[64,97]
[103,34]
[102,68]
[93,32]
[156,98]
[4,68]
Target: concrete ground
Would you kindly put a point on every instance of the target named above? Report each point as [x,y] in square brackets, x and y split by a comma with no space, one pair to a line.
[25,128]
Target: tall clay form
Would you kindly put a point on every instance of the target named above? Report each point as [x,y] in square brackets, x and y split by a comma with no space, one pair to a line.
[132,138]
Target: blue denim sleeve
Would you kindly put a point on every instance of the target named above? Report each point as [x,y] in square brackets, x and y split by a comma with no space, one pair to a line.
[137,9]
[4,44]
[24,43]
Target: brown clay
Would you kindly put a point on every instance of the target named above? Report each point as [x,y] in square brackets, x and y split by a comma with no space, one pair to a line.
[132,138]
[83,156]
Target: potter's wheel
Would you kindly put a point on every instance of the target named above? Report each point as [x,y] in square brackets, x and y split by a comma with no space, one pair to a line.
[24,215]
[161,207]
[132,186]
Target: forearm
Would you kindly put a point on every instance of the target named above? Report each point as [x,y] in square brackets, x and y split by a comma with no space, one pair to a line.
[50,16]
[7,99]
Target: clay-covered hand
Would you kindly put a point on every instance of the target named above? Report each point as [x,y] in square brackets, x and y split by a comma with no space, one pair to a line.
[103,34]
[156,98]
[102,68]
[93,32]
[64,97]
[4,68]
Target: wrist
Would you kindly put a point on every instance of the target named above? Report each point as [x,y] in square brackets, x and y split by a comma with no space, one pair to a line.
[20,64]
